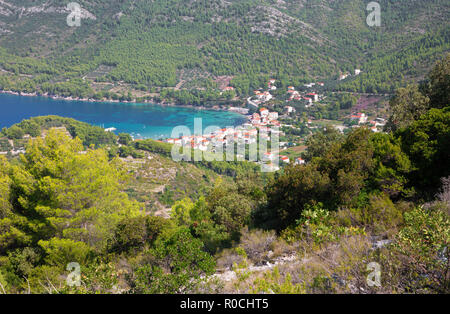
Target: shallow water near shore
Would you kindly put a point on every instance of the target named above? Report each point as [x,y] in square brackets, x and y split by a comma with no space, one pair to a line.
[139,120]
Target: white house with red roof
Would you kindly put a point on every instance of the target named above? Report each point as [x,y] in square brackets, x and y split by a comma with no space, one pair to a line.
[313,96]
[299,161]
[264,112]
[285,159]
[361,117]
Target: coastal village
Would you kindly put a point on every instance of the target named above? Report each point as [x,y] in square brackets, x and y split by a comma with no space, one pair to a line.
[267,115]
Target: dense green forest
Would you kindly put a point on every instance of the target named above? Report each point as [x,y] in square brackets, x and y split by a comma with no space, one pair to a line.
[361,198]
[149,45]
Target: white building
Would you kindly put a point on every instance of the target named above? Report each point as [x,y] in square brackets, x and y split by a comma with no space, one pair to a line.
[289,109]
[313,96]
[263,112]
[284,159]
[266,96]
[360,117]
[299,161]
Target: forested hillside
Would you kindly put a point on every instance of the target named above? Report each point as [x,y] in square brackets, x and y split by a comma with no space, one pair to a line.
[147,45]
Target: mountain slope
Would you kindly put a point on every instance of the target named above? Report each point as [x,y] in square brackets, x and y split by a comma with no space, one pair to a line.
[164,43]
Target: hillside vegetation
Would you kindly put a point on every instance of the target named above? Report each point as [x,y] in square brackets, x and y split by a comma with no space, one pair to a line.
[148,45]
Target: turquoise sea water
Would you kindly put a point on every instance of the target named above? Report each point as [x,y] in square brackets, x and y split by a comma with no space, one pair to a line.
[139,120]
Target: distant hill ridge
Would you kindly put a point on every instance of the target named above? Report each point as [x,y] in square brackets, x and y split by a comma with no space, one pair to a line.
[191,43]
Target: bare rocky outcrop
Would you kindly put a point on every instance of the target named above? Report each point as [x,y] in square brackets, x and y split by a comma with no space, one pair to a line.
[9,9]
